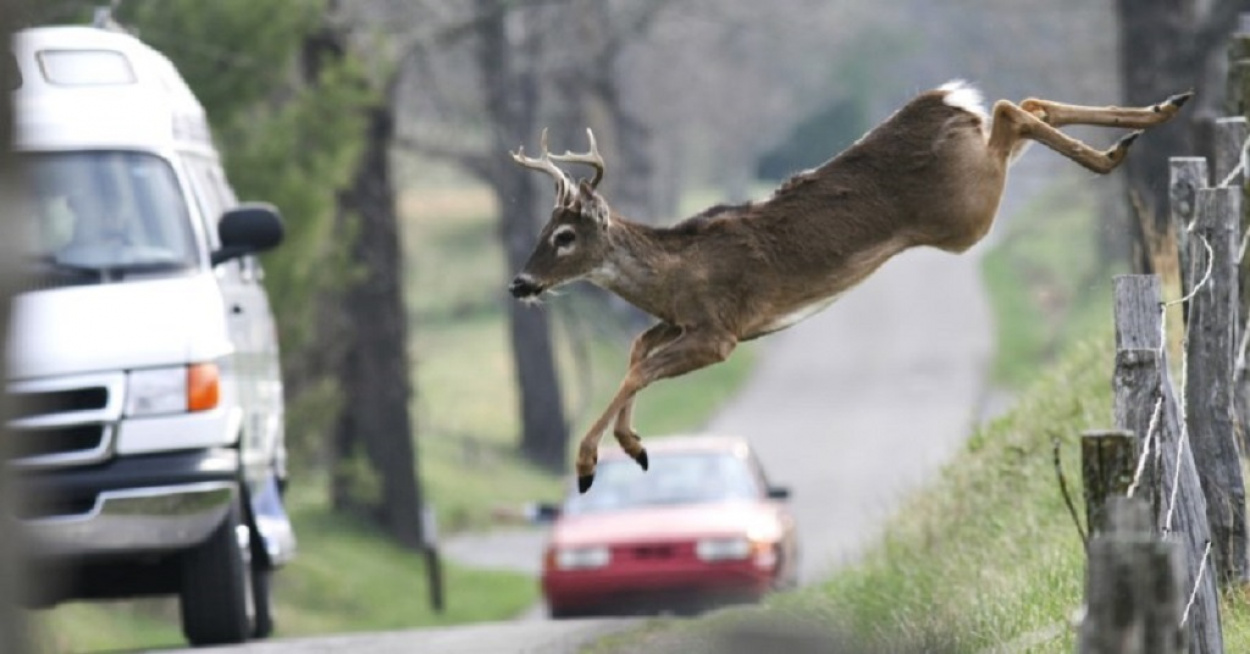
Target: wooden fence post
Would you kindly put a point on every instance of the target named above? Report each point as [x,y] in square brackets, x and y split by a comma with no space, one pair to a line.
[1133,593]
[1208,382]
[1230,135]
[1142,383]
[1108,461]
[1188,175]
[1238,99]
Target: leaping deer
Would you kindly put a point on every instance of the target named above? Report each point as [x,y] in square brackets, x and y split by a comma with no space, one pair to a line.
[931,174]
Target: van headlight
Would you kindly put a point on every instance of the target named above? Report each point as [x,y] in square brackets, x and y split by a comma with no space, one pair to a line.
[723,549]
[582,558]
[176,389]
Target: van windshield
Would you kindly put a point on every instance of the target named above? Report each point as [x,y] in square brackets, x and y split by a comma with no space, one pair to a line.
[107,214]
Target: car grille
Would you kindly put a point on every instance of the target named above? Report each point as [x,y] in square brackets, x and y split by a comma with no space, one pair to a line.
[650,552]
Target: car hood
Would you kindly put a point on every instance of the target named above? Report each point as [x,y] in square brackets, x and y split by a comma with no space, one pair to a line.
[99,327]
[669,523]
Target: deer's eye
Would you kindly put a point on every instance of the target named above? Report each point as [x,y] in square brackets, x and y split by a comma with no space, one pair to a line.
[564,238]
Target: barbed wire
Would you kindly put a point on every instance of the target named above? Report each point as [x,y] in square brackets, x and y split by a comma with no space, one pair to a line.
[1193,595]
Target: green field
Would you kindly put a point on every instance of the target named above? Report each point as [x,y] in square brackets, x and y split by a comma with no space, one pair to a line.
[348,577]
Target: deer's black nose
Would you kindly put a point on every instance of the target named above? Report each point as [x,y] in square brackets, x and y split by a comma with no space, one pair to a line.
[523,286]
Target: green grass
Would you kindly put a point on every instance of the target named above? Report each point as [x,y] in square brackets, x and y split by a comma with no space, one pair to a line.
[1047,281]
[357,580]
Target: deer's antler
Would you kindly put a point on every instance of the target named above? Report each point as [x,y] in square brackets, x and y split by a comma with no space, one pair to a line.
[591,158]
[564,185]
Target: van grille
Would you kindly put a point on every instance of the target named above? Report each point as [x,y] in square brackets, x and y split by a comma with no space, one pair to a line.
[29,443]
[65,423]
[50,402]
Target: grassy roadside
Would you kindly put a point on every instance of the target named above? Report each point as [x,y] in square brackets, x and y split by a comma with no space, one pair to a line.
[1046,281]
[348,577]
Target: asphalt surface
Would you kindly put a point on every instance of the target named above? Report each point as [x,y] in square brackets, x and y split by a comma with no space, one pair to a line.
[860,404]
[518,637]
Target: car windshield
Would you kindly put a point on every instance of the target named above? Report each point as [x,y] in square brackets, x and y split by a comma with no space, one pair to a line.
[678,478]
[105,214]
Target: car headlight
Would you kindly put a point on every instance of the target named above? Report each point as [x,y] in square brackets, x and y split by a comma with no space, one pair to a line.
[723,549]
[176,389]
[581,558]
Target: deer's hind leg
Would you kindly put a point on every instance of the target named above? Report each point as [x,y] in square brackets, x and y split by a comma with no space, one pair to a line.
[1039,120]
[1058,114]
[1012,127]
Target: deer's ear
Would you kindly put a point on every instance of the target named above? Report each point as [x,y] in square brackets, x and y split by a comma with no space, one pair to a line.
[593,204]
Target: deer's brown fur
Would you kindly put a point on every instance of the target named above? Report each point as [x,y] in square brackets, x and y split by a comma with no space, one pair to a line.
[932,174]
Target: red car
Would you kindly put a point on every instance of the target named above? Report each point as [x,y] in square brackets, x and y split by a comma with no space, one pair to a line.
[702,528]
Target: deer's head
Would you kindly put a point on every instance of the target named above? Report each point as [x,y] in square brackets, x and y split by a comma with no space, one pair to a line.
[573,243]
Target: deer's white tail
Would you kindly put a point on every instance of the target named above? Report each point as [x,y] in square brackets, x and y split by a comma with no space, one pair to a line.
[963,95]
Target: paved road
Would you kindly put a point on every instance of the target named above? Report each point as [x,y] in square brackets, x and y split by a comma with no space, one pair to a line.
[863,402]
[521,637]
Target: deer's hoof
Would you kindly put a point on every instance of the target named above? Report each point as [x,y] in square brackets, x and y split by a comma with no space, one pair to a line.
[1180,99]
[584,482]
[641,458]
[1128,140]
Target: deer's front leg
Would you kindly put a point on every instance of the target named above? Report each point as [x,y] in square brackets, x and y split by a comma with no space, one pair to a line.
[691,350]
[647,342]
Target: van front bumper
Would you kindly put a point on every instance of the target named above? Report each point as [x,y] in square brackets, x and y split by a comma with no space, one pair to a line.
[130,505]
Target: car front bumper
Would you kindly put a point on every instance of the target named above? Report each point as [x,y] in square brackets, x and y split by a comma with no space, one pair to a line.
[678,587]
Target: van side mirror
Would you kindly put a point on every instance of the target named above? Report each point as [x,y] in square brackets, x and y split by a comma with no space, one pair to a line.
[247,229]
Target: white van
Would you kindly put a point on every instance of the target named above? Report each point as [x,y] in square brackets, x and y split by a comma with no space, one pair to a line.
[149,442]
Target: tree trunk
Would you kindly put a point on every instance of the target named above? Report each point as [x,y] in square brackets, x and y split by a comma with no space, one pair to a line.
[511,86]
[376,375]
[544,432]
[1166,47]
[1148,75]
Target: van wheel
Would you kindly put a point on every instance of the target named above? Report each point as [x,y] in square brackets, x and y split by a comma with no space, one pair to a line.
[216,596]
